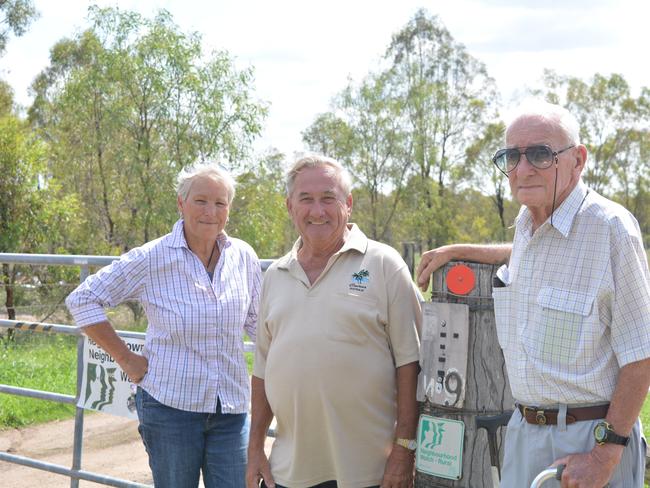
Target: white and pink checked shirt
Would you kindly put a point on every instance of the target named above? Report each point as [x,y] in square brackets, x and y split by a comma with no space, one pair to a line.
[577,308]
[194,339]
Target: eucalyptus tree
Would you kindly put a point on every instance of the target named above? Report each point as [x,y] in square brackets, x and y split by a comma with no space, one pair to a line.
[365,133]
[15,18]
[447,97]
[33,213]
[126,104]
[608,117]
[615,127]
[258,214]
[484,175]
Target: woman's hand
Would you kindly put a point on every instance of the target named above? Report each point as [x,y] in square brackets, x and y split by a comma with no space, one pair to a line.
[135,366]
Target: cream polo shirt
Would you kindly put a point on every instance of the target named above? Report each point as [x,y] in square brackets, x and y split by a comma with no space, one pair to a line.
[578,305]
[328,354]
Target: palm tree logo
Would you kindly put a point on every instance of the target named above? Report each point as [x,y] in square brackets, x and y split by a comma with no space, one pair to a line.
[361,276]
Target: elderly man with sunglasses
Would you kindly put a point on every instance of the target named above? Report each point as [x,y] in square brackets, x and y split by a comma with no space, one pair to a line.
[572,309]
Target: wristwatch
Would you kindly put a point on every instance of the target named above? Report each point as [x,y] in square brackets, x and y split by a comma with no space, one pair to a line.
[604,433]
[410,444]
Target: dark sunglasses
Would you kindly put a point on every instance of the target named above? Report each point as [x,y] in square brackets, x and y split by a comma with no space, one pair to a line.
[541,157]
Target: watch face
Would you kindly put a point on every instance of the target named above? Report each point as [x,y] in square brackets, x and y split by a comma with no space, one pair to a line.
[600,432]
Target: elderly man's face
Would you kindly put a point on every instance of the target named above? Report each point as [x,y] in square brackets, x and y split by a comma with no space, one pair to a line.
[534,187]
[205,211]
[318,206]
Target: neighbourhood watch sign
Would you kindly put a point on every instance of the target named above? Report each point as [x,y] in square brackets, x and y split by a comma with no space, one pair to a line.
[440,447]
[105,387]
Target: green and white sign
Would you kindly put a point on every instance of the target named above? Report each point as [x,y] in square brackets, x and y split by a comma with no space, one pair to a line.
[440,447]
[106,387]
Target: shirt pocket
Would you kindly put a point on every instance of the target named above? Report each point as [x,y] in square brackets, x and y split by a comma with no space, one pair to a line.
[351,318]
[557,333]
[504,316]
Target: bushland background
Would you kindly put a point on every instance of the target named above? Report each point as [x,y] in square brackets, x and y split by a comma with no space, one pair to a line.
[125,103]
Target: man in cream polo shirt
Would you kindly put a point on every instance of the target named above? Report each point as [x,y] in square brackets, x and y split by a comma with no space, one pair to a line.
[337,349]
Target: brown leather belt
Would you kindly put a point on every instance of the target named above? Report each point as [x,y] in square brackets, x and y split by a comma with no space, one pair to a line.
[538,416]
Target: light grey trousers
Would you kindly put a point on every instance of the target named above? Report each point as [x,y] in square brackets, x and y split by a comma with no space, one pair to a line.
[530,449]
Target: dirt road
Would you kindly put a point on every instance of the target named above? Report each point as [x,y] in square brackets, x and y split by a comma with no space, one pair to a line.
[111,447]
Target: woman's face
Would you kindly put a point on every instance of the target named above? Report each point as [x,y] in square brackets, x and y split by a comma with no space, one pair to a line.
[205,211]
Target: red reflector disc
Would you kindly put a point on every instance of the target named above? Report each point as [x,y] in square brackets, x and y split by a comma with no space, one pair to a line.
[460,279]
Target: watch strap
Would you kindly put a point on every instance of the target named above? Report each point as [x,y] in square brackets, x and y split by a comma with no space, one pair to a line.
[610,436]
[410,444]
[614,438]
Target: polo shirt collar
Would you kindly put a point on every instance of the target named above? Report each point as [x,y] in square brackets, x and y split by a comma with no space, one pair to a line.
[563,215]
[356,240]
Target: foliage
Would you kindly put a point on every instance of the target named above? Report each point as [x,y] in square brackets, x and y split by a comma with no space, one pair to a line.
[33,212]
[126,104]
[408,126]
[15,17]
[6,98]
[615,127]
[258,214]
[365,135]
[447,97]
[478,169]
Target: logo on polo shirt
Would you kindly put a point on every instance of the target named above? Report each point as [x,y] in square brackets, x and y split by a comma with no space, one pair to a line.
[360,280]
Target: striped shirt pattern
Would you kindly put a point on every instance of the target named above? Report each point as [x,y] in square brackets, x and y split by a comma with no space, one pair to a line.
[577,308]
[195,333]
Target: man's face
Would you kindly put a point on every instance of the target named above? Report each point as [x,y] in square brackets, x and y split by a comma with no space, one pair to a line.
[534,187]
[318,206]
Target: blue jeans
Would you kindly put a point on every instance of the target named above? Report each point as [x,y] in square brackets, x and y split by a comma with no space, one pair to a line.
[182,444]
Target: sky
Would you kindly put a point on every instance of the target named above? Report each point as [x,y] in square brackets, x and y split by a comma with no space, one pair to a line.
[304,52]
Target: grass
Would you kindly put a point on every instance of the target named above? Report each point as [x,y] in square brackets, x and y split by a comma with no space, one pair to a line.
[42,362]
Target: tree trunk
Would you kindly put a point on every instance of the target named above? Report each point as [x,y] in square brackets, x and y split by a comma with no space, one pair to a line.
[7,279]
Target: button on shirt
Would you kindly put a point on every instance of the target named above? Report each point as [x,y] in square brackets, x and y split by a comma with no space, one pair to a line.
[194,338]
[577,308]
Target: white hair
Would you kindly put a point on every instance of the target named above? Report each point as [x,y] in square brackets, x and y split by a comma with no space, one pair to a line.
[316,161]
[199,170]
[547,112]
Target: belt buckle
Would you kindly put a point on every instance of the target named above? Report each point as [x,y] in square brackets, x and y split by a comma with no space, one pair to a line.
[540,416]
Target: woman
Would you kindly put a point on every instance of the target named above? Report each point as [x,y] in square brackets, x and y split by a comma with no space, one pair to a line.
[199,289]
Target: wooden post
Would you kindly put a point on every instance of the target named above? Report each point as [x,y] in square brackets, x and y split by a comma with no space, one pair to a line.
[408,254]
[487,390]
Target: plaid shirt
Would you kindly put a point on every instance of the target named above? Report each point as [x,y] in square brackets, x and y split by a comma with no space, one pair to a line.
[577,308]
[194,339]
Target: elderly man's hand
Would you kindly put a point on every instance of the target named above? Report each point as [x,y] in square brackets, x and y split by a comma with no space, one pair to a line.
[135,366]
[592,469]
[431,261]
[398,472]
[258,469]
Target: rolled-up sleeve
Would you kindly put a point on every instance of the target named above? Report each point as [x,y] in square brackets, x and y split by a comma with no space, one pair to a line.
[116,283]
